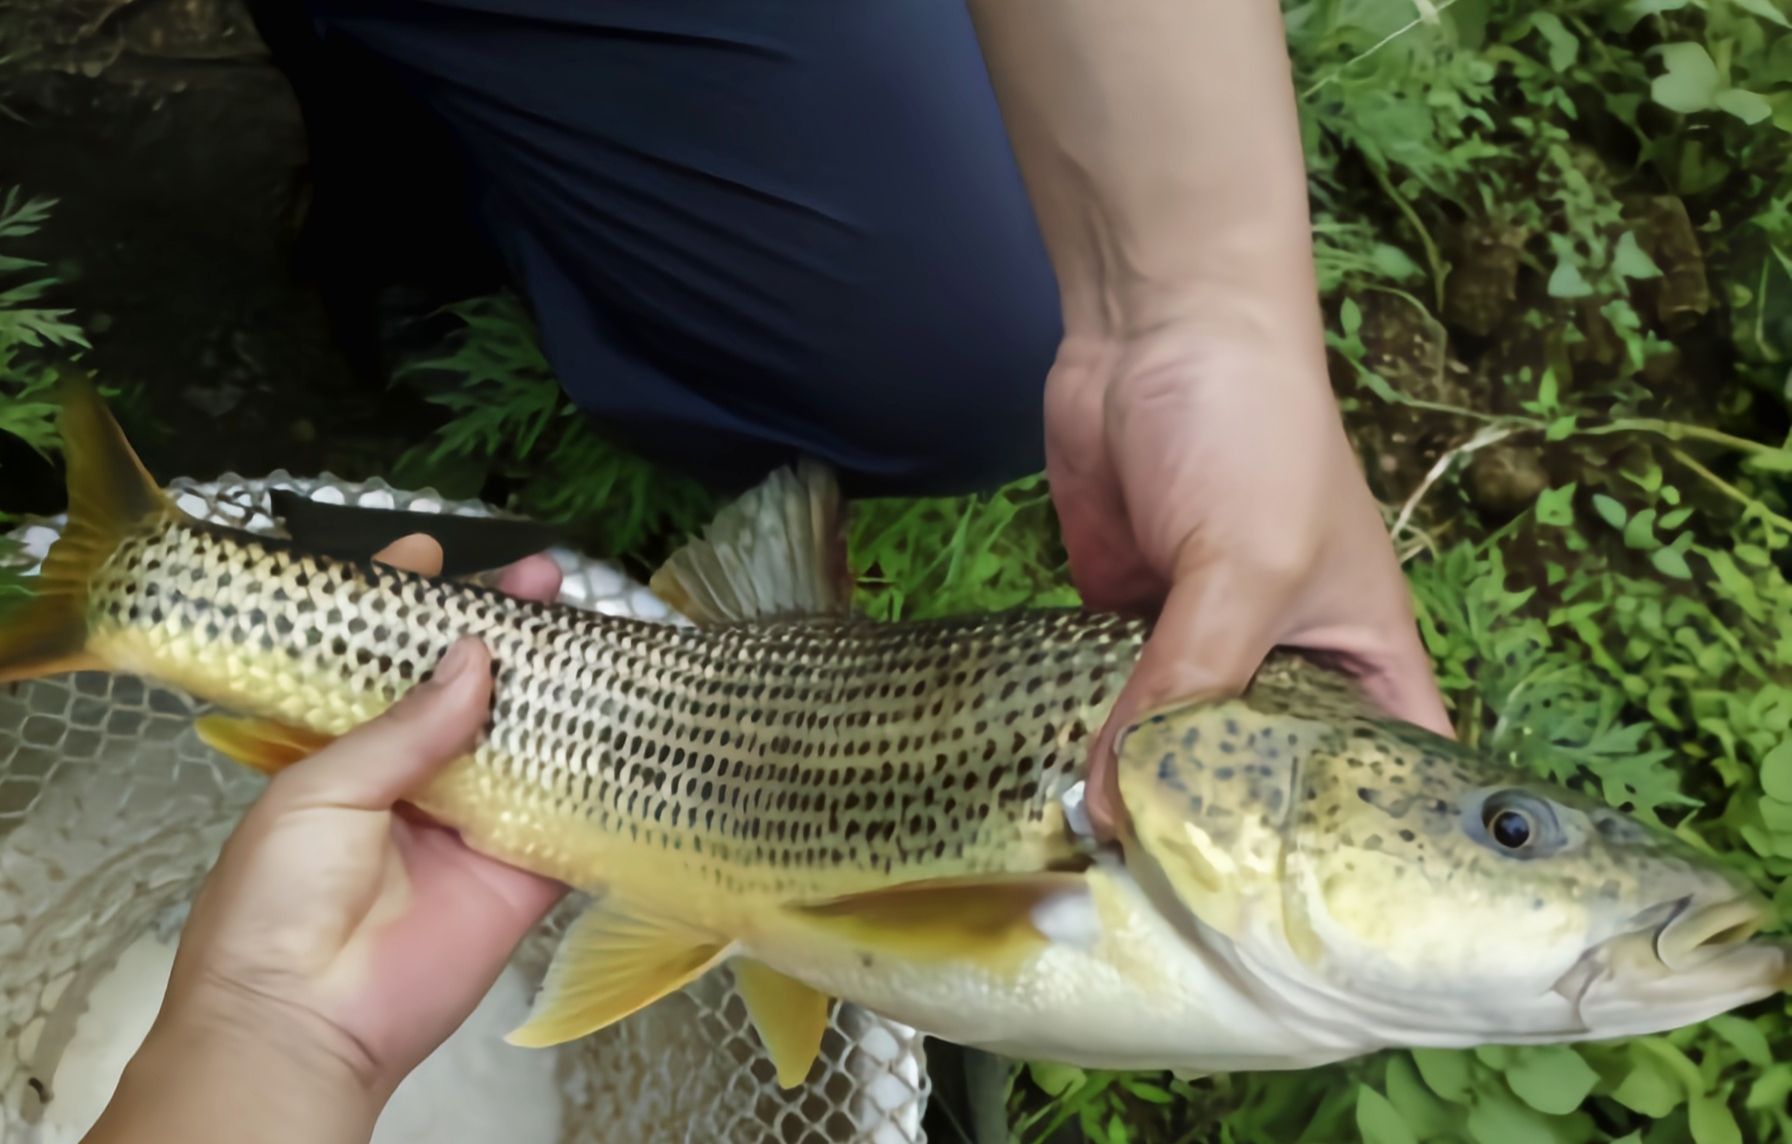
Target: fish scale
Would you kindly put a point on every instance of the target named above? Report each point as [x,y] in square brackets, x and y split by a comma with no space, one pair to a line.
[810,755]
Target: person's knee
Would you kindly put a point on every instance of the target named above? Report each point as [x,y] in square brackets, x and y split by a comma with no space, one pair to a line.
[963,411]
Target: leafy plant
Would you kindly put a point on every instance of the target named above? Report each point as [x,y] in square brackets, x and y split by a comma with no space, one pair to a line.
[25,378]
[511,420]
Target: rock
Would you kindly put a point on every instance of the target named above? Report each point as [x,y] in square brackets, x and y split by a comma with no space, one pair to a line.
[1504,479]
[1483,282]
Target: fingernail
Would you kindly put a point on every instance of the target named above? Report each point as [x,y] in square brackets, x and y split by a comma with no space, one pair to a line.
[455,662]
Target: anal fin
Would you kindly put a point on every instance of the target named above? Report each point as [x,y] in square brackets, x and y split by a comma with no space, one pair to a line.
[264,745]
[612,962]
[790,1016]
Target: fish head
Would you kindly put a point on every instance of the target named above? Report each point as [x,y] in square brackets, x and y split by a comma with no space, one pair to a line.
[1366,876]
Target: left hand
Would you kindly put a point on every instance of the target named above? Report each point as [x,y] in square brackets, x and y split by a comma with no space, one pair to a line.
[340,939]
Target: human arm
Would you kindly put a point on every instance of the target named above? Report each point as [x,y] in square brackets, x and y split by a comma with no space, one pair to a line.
[1196,453]
[339,939]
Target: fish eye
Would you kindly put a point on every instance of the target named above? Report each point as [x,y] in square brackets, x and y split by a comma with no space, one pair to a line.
[1517,824]
[1510,828]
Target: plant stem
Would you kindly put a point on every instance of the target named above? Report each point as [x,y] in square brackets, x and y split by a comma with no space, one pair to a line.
[1731,491]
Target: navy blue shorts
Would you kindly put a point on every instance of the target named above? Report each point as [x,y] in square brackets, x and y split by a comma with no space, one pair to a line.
[749,230]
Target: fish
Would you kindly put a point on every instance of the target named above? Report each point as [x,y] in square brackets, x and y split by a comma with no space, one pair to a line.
[884,813]
[112,809]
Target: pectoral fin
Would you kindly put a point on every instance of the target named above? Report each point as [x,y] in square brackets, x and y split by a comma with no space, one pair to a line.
[263,745]
[612,962]
[790,1017]
[994,919]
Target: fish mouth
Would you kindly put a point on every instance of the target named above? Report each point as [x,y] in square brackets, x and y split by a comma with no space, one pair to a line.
[1693,935]
[1680,962]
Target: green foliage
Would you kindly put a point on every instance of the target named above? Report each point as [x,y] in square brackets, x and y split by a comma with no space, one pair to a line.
[25,377]
[25,331]
[952,555]
[511,420]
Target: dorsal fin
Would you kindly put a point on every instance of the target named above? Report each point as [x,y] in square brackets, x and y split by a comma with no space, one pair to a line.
[779,550]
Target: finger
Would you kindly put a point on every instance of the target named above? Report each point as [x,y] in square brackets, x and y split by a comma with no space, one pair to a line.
[418,552]
[532,578]
[469,912]
[1393,667]
[387,758]
[1206,643]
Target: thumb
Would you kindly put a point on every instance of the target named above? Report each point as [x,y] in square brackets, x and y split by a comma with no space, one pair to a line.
[1204,645]
[389,757]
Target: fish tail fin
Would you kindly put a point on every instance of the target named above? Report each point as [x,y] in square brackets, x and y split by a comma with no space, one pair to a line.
[110,496]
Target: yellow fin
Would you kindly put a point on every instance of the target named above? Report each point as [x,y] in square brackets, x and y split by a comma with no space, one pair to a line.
[260,744]
[989,919]
[109,497]
[611,963]
[790,1016]
[779,550]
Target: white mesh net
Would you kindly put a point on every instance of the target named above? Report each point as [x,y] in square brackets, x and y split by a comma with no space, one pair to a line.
[112,810]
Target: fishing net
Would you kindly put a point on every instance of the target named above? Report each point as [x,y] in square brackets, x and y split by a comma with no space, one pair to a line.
[112,811]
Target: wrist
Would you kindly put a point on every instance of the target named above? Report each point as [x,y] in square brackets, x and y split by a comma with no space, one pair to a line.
[1209,332]
[203,1077]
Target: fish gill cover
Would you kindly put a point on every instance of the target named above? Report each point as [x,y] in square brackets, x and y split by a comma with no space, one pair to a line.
[1555,242]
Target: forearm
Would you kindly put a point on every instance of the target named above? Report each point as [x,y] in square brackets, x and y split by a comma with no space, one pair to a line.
[190,1085]
[1160,145]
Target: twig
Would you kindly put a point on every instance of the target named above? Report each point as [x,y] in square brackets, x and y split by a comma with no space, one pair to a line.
[1485,436]
[1731,491]
[1424,17]
[1433,256]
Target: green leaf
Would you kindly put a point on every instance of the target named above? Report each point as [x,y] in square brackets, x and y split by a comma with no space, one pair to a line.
[1609,510]
[1555,1079]
[1690,84]
[1422,1110]
[1564,46]
[1630,260]
[1748,106]
[1711,1121]
[1671,562]
[1770,461]
[1350,317]
[1446,1071]
[1776,771]
[1498,1119]
[1566,281]
[1056,1079]
[1555,507]
[1745,1037]
[1766,9]
[1640,532]
[1379,1121]
[1650,1087]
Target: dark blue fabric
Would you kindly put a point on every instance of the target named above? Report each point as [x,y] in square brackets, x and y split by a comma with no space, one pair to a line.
[752,230]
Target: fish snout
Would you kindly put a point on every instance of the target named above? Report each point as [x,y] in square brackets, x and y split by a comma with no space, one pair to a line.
[1704,928]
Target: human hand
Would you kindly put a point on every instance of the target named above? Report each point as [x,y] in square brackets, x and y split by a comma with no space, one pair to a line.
[340,938]
[1207,469]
